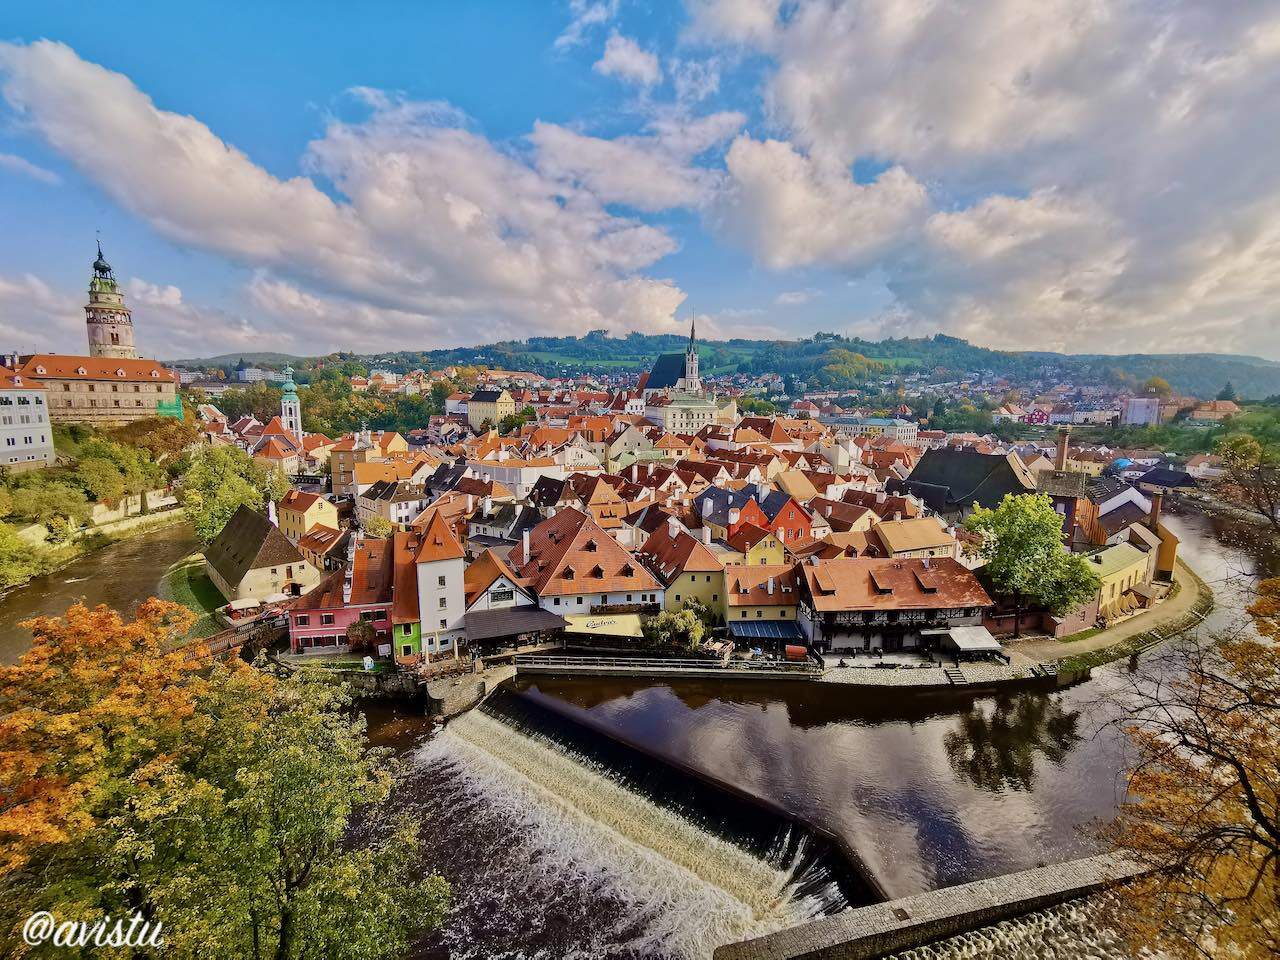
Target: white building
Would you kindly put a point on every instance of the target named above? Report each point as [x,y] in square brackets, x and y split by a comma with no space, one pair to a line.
[26,438]
[1141,412]
[441,568]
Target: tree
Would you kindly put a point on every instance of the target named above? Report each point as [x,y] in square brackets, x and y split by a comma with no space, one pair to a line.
[1253,474]
[1157,387]
[56,500]
[378,526]
[1026,559]
[138,778]
[675,628]
[360,635]
[100,478]
[1202,815]
[220,480]
[1228,392]
[18,562]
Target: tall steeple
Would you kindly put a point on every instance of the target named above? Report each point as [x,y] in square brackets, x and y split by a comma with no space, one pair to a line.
[107,318]
[290,406]
[691,382]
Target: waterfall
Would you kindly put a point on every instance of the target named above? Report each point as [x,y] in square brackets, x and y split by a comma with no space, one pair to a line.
[682,889]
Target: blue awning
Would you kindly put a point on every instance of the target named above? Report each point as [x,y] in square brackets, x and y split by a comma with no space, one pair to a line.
[765,629]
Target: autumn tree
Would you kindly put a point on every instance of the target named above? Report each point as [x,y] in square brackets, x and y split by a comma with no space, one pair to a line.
[1157,387]
[222,479]
[675,628]
[1026,561]
[1204,810]
[215,798]
[377,526]
[1253,474]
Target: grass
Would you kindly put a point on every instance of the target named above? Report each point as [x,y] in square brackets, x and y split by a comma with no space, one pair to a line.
[186,583]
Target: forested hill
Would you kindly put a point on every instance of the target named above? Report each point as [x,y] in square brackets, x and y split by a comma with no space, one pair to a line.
[837,362]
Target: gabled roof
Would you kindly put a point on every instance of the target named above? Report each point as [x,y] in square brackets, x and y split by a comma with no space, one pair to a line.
[747,536]
[249,541]
[917,533]
[438,542]
[371,570]
[948,479]
[299,501]
[404,576]
[570,553]
[65,367]
[481,574]
[666,371]
[865,583]
[748,585]
[670,556]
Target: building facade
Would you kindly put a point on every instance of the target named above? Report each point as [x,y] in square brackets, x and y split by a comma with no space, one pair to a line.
[26,437]
[108,320]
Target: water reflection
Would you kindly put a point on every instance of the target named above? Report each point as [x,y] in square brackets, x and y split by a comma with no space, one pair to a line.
[997,747]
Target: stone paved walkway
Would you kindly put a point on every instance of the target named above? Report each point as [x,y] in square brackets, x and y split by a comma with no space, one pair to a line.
[1047,649]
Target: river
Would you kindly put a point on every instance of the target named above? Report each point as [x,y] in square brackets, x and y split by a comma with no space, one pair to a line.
[121,575]
[558,848]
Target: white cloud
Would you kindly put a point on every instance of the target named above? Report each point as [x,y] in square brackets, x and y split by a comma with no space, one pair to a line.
[795,298]
[23,166]
[433,221]
[35,318]
[627,60]
[587,15]
[695,80]
[650,172]
[1103,170]
[791,211]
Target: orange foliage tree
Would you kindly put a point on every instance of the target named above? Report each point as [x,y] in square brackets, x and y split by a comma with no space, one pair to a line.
[1204,809]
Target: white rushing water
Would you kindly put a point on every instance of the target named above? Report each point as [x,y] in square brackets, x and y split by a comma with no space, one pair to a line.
[682,890]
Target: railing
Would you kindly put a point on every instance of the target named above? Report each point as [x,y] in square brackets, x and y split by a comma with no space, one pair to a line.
[666,663]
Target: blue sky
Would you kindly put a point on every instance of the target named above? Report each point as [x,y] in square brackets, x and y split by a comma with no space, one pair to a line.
[410,175]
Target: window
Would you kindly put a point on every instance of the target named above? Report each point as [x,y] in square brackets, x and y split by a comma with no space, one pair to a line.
[579,601]
[440,581]
[406,650]
[744,614]
[302,619]
[759,613]
[326,619]
[406,629]
[444,602]
[715,597]
[443,623]
[556,602]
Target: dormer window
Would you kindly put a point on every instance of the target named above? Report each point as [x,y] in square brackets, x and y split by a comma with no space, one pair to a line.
[628,571]
[81,371]
[568,573]
[597,572]
[119,373]
[155,373]
[590,546]
[40,370]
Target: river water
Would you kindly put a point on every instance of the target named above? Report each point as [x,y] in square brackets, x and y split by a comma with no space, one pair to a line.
[558,848]
[121,575]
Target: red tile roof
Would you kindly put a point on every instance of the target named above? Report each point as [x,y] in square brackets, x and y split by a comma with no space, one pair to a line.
[866,583]
[571,553]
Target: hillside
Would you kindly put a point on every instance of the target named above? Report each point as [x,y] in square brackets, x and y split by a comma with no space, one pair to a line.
[827,360]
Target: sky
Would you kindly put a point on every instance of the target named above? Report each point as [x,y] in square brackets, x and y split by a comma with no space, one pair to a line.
[1078,175]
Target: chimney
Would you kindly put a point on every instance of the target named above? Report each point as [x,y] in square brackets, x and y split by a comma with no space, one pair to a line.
[1064,438]
[762,491]
[880,496]
[1153,518]
[897,514]
[487,505]
[828,509]
[706,535]
[673,527]
[706,507]
[271,513]
[733,515]
[470,504]
[524,542]
[770,587]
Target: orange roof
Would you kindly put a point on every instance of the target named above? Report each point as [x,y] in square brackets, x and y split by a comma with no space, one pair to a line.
[371,471]
[868,583]
[371,572]
[274,426]
[747,536]
[748,585]
[66,367]
[319,539]
[299,501]
[487,568]
[571,553]
[438,542]
[273,449]
[671,556]
[9,380]
[404,577]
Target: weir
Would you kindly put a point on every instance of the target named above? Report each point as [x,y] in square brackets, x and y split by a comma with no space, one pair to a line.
[708,866]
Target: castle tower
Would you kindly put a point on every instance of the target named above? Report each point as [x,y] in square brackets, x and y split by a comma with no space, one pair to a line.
[691,382]
[110,325]
[291,406]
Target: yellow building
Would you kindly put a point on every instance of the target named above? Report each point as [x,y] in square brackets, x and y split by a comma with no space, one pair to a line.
[760,593]
[299,512]
[916,537]
[488,407]
[1119,568]
[757,546]
[685,566]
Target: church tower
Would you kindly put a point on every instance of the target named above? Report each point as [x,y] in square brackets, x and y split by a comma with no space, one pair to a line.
[110,325]
[691,382]
[290,406]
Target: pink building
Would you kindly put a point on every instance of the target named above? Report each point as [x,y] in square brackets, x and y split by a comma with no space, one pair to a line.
[318,620]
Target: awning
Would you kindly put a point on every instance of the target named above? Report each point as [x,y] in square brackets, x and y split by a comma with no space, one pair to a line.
[780,630]
[509,621]
[605,624]
[971,640]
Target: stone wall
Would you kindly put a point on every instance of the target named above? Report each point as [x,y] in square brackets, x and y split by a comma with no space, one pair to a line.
[912,921]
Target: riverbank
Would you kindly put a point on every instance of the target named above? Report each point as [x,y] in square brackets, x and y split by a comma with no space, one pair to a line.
[1184,608]
[52,559]
[185,582]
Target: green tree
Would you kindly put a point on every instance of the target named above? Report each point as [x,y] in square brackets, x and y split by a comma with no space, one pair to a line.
[217,800]
[1228,392]
[1157,387]
[378,526]
[675,628]
[1253,475]
[43,504]
[18,562]
[1026,559]
[101,479]
[221,479]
